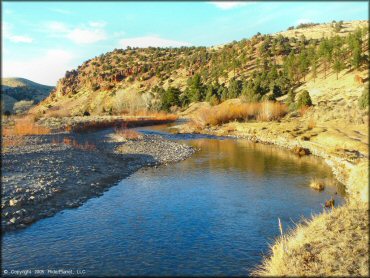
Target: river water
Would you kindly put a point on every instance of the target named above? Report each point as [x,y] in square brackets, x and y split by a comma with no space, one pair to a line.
[212,214]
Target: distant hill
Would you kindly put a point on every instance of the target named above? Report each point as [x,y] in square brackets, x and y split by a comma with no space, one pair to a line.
[263,67]
[22,91]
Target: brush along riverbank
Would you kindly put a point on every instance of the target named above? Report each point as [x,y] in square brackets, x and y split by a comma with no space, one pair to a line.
[44,174]
[332,243]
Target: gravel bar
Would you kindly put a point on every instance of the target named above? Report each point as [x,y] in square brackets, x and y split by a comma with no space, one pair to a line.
[48,174]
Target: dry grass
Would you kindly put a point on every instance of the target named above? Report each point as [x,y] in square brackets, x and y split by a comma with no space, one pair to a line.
[358,181]
[224,113]
[25,126]
[128,134]
[303,110]
[57,113]
[335,243]
[317,184]
[311,123]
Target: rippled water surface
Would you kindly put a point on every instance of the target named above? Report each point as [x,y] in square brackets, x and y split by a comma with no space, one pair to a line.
[213,214]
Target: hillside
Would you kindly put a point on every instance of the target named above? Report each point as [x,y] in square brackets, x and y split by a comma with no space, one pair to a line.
[262,67]
[22,91]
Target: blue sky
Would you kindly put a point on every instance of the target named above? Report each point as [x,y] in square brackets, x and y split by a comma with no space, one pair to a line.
[42,40]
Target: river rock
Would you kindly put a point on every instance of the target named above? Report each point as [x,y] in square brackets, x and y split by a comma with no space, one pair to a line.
[301,151]
[13,220]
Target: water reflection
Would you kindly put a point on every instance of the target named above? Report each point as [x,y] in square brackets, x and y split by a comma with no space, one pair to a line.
[259,160]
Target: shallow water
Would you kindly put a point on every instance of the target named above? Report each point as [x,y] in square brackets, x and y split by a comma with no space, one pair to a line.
[212,214]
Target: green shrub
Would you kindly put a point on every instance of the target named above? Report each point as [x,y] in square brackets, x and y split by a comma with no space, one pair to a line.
[363,101]
[290,101]
[304,99]
[21,107]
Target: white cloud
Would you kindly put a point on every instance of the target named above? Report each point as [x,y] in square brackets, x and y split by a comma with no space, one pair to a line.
[154,41]
[86,36]
[45,69]
[227,5]
[79,35]
[8,34]
[57,26]
[24,39]
[97,24]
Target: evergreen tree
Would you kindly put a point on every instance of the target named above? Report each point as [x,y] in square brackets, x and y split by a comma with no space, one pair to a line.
[170,98]
[195,88]
[235,88]
[276,91]
[356,57]
[338,64]
[290,101]
[304,99]
[303,64]
[224,93]
[325,51]
[250,93]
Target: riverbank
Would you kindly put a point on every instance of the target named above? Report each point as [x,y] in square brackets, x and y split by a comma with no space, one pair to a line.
[48,173]
[332,243]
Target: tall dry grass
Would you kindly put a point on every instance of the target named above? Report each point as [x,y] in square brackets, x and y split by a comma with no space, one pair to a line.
[25,126]
[224,113]
[326,245]
[128,134]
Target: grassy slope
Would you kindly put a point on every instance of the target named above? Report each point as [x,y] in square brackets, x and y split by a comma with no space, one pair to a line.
[20,82]
[16,89]
[322,30]
[334,243]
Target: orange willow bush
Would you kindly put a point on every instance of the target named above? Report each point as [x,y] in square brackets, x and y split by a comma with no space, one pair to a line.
[126,133]
[25,126]
[224,113]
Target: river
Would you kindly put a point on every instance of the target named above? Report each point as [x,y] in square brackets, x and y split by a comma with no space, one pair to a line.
[212,214]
